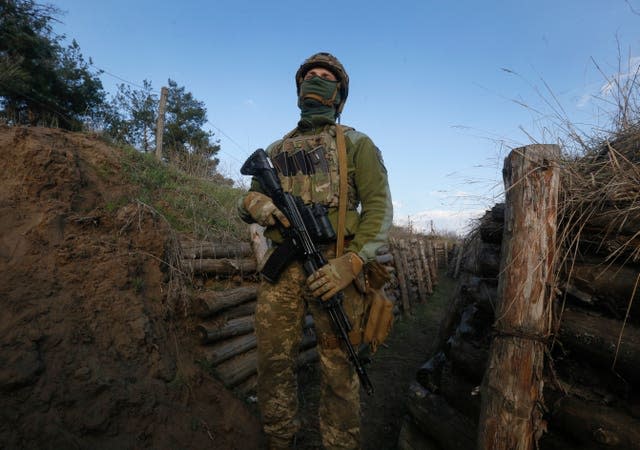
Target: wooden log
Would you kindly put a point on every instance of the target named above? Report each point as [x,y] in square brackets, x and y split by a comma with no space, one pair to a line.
[215,250]
[456,270]
[209,303]
[409,269]
[603,242]
[460,392]
[402,280]
[440,376]
[482,259]
[223,267]
[247,389]
[452,314]
[492,225]
[489,260]
[446,254]
[433,263]
[595,338]
[238,369]
[226,350]
[434,416]
[234,327]
[434,252]
[481,293]
[245,309]
[428,375]
[412,438]
[491,232]
[615,221]
[468,357]
[415,256]
[553,440]
[498,212]
[595,425]
[512,386]
[424,262]
[609,287]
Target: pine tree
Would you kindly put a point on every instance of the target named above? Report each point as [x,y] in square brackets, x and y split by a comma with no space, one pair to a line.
[43,82]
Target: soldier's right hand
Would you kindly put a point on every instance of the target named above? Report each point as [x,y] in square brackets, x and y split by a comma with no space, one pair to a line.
[263,211]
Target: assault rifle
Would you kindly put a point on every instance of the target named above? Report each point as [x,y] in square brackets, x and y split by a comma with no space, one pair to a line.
[300,244]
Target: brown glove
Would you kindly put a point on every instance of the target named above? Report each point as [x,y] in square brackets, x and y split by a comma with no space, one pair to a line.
[262,210]
[334,276]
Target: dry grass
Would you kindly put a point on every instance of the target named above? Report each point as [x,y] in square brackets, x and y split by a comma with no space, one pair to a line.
[600,201]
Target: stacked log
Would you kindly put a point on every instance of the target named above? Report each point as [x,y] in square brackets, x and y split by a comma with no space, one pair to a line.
[222,260]
[590,402]
[226,301]
[414,271]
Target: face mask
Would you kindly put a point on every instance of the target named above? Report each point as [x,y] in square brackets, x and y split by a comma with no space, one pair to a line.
[318,97]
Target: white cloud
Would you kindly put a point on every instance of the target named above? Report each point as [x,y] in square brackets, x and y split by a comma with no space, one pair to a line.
[619,79]
[584,100]
[442,220]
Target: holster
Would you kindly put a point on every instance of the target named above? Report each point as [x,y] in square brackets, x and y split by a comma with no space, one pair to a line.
[379,319]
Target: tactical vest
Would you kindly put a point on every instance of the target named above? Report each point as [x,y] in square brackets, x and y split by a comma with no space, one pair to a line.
[308,168]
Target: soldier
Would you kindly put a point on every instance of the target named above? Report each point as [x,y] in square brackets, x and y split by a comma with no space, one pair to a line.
[322,85]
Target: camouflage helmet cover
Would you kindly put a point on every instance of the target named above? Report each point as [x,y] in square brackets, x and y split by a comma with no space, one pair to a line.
[331,63]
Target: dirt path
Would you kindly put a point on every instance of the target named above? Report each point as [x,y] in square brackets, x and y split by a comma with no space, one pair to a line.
[391,373]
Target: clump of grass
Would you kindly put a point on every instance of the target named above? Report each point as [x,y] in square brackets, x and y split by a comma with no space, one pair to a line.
[201,207]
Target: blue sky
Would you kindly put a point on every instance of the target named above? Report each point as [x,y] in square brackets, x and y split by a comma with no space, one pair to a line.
[439,86]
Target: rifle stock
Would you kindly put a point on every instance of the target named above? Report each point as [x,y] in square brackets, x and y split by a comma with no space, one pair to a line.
[300,244]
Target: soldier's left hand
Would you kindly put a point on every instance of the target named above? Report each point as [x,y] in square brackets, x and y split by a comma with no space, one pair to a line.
[334,276]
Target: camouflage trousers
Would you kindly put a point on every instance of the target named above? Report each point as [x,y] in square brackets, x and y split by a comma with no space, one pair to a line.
[279,320]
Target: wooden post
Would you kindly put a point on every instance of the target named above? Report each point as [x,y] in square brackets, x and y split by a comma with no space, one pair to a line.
[425,265]
[415,256]
[407,271]
[456,270]
[510,417]
[446,255]
[160,123]
[433,263]
[402,281]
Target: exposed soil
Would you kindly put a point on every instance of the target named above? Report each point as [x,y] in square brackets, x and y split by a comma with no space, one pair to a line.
[92,353]
[94,350]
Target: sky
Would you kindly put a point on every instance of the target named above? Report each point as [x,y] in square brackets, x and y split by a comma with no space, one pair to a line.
[445,89]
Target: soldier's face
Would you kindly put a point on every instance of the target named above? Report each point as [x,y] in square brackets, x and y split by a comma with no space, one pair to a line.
[320,72]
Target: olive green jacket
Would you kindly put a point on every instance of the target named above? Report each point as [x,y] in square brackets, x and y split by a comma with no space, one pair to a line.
[370,213]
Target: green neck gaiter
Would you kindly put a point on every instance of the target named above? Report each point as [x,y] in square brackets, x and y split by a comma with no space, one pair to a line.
[318,97]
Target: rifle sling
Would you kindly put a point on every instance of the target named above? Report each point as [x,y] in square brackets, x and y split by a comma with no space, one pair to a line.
[342,193]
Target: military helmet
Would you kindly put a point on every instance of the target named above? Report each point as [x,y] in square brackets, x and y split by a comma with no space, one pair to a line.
[331,63]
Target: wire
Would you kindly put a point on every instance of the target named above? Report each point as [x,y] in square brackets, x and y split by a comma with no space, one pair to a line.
[244,151]
[118,77]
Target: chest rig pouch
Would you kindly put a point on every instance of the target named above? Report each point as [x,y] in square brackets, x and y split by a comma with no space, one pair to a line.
[308,167]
